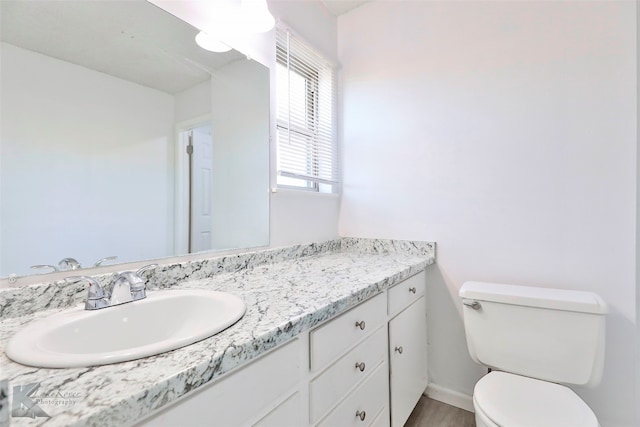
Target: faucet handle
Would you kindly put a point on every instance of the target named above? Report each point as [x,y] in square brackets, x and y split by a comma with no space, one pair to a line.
[95,297]
[141,285]
[69,264]
[136,283]
[41,266]
[145,268]
[100,261]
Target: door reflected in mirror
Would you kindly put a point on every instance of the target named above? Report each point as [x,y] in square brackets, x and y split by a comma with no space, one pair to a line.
[98,101]
[200,160]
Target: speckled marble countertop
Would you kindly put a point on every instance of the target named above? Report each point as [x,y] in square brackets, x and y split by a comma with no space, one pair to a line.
[287,291]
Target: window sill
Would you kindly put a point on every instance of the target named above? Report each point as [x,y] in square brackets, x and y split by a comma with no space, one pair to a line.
[303,193]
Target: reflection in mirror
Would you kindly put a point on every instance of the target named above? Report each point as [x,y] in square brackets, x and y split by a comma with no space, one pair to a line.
[102,102]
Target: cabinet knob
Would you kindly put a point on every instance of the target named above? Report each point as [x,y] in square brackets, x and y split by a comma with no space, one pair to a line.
[360,366]
[399,349]
[360,325]
[361,415]
[412,290]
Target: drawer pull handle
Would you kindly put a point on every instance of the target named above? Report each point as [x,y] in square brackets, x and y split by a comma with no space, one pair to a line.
[399,349]
[361,415]
[360,366]
[360,325]
[412,290]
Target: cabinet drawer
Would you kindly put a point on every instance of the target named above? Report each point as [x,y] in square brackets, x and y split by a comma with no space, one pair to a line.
[343,375]
[406,292]
[332,339]
[367,400]
[238,397]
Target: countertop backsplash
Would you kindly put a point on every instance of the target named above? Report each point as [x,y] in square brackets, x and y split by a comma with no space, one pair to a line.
[21,301]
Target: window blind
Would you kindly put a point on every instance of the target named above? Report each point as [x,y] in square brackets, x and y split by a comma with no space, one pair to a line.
[306,115]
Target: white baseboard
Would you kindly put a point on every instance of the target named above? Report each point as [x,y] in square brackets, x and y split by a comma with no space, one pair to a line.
[450,397]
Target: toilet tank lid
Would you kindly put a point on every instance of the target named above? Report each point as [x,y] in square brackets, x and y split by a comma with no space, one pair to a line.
[554,299]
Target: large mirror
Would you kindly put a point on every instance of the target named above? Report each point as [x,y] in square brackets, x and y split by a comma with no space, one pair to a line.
[119,136]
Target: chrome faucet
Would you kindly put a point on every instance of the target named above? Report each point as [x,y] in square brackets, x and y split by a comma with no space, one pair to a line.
[126,286]
[67,264]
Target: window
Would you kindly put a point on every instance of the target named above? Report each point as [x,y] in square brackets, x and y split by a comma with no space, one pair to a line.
[306,111]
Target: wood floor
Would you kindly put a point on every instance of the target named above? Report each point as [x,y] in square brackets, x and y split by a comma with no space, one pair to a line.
[431,413]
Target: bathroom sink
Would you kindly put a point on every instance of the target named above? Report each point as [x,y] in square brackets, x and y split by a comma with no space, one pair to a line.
[163,321]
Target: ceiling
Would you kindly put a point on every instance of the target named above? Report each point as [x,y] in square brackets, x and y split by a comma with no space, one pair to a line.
[339,7]
[133,40]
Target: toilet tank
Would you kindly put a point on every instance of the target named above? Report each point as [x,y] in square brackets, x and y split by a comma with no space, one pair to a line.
[551,334]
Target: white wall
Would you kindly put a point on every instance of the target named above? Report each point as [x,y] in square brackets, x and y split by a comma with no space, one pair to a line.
[303,217]
[240,130]
[193,103]
[81,151]
[506,132]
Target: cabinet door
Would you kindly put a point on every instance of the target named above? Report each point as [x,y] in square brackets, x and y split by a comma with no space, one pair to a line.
[408,360]
[287,414]
[239,397]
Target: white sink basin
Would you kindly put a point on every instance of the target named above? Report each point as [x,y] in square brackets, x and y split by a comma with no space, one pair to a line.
[163,321]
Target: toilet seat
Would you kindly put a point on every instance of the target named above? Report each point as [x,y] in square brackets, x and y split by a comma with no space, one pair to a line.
[509,400]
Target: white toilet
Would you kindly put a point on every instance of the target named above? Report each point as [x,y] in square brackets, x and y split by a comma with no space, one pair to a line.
[532,339]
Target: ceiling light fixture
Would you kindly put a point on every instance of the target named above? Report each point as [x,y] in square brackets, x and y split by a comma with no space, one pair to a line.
[234,18]
[256,16]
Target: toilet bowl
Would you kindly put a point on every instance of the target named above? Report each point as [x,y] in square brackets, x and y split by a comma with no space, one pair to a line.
[533,339]
[501,399]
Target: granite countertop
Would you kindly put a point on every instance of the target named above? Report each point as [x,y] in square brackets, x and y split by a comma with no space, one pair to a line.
[287,291]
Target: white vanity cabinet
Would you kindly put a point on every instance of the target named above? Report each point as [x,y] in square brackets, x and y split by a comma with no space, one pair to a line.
[392,357]
[407,347]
